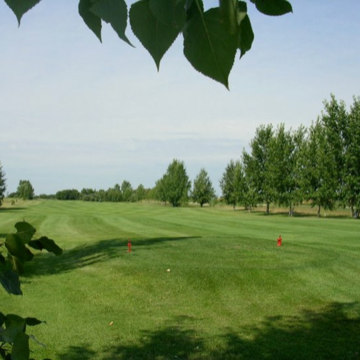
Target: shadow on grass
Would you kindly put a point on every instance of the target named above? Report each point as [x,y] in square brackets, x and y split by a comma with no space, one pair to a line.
[330,333]
[77,353]
[89,254]
[9,209]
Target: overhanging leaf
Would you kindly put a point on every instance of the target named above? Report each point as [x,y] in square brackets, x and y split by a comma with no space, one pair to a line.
[169,12]
[2,318]
[20,348]
[193,8]
[2,260]
[113,12]
[209,47]
[20,7]
[25,231]
[14,325]
[154,35]
[17,264]
[91,20]
[246,36]
[47,244]
[273,7]
[10,282]
[16,247]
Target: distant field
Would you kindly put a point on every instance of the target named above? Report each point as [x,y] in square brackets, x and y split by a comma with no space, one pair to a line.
[200,283]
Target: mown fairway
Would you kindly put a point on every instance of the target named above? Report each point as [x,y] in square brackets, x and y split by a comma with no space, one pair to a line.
[231,293]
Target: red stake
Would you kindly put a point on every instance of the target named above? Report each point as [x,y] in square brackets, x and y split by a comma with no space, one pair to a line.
[279,240]
[129,246]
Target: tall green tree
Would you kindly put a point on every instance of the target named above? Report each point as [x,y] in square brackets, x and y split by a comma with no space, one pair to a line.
[25,190]
[203,191]
[177,183]
[2,184]
[334,120]
[319,176]
[211,37]
[285,147]
[351,172]
[232,184]
[258,166]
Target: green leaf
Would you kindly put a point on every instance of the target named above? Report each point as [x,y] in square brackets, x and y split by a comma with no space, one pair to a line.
[20,7]
[273,7]
[16,247]
[113,12]
[2,260]
[169,12]
[193,8]
[10,282]
[20,349]
[31,321]
[17,264]
[2,318]
[229,12]
[209,47]
[14,325]
[47,244]
[246,36]
[154,35]
[91,20]
[25,231]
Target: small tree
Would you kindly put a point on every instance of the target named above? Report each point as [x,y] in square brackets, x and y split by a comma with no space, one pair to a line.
[140,192]
[2,184]
[25,190]
[160,189]
[126,190]
[177,183]
[203,191]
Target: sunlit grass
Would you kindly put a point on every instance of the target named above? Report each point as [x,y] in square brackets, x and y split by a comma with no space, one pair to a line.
[200,283]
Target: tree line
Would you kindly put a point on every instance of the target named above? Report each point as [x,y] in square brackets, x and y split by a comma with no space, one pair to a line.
[319,165]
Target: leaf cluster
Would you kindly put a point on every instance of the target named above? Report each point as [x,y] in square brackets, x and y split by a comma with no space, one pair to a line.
[14,342]
[211,37]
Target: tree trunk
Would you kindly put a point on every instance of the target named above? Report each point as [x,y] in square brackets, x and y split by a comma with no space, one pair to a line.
[267,208]
[318,213]
[291,211]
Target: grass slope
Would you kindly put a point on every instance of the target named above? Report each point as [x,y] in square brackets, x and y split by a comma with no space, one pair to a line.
[231,293]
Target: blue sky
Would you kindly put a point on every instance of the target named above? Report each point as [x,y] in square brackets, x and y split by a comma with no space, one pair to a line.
[76,113]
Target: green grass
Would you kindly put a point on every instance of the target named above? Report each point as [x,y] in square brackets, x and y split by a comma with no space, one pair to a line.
[231,293]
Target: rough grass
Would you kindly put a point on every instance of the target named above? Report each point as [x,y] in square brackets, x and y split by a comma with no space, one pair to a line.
[231,293]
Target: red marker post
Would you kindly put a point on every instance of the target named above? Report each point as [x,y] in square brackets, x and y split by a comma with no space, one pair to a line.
[129,246]
[279,240]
